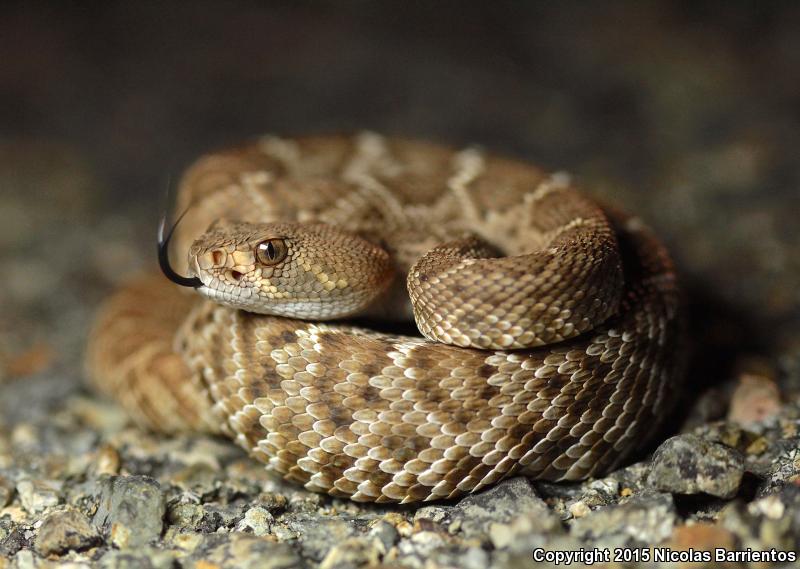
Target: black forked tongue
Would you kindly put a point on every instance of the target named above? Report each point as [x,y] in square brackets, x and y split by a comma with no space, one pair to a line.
[163,256]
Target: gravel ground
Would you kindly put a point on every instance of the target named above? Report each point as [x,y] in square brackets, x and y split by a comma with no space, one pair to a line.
[687,115]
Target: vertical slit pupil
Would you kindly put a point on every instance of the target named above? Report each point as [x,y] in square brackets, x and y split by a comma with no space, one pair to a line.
[271,250]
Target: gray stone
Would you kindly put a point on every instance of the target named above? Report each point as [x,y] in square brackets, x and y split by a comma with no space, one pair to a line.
[770,521]
[417,550]
[525,532]
[256,520]
[633,478]
[688,464]
[722,195]
[434,514]
[245,551]
[274,503]
[353,553]
[645,518]
[65,530]
[25,559]
[130,510]
[475,514]
[386,534]
[185,516]
[14,541]
[201,479]
[783,468]
[469,558]
[434,550]
[461,557]
[317,535]
[217,516]
[144,558]
[38,495]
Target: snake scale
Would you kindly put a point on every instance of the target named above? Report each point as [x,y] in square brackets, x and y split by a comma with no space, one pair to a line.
[550,334]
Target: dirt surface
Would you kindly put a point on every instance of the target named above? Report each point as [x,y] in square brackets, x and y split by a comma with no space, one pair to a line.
[687,114]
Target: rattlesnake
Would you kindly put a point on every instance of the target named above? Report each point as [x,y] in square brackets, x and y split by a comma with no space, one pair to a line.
[552,326]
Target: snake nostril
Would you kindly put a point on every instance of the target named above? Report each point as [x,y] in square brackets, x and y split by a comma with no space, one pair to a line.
[236,275]
[217,257]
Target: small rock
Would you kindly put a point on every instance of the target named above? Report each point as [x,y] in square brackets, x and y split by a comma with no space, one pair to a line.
[525,532]
[244,551]
[727,434]
[416,550]
[13,542]
[771,507]
[385,533]
[305,502]
[351,554]
[274,503]
[144,558]
[258,520]
[593,495]
[216,516]
[38,495]
[432,550]
[758,447]
[632,479]
[435,514]
[771,521]
[185,541]
[461,557]
[318,535]
[784,469]
[25,559]
[131,510]
[65,530]
[579,509]
[646,518]
[283,533]
[199,478]
[15,515]
[399,522]
[743,524]
[608,486]
[755,399]
[107,461]
[185,516]
[500,504]
[688,464]
[501,535]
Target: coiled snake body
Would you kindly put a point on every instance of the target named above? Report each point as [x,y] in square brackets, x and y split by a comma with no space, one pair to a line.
[552,327]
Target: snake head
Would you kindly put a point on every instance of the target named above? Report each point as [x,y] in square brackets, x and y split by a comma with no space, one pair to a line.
[297,270]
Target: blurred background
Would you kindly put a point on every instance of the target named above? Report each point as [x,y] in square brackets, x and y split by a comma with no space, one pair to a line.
[686,112]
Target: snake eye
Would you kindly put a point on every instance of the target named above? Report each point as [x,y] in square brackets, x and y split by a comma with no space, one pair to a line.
[271,251]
